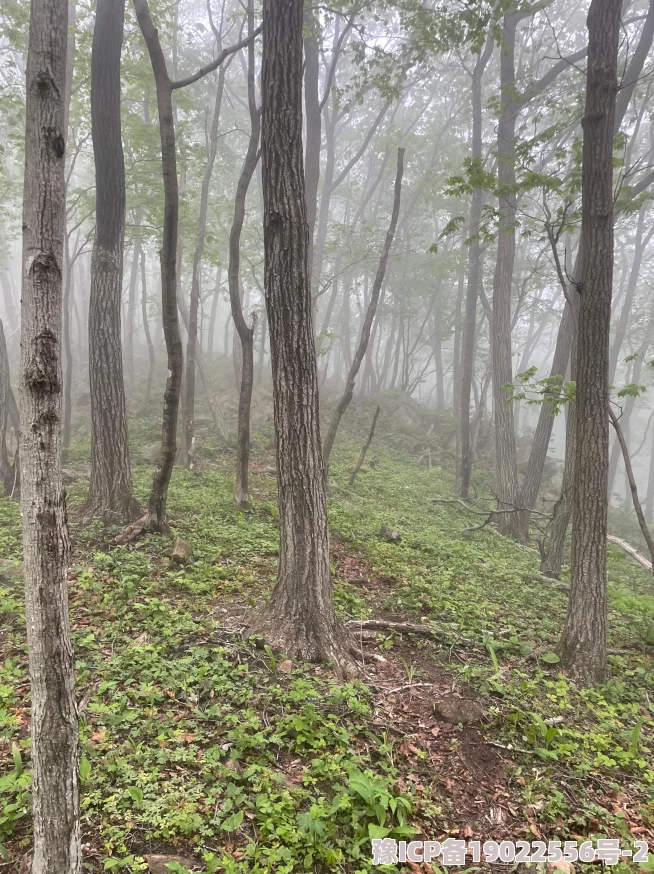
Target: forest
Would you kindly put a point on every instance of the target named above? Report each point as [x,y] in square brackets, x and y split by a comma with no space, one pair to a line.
[326,436]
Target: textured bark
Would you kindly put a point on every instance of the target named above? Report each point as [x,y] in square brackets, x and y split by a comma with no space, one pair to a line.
[583,643]
[111,492]
[506,470]
[369,317]
[468,345]
[245,332]
[191,345]
[156,514]
[313,122]
[552,559]
[299,619]
[55,784]
[7,469]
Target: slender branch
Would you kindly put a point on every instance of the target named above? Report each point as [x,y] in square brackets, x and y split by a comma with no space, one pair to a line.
[209,68]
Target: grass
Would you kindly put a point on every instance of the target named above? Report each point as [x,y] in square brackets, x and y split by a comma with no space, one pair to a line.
[201,743]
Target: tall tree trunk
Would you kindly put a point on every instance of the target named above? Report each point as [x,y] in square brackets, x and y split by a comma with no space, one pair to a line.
[214,313]
[111,492]
[245,332]
[55,783]
[468,345]
[7,469]
[68,283]
[369,317]
[146,331]
[313,121]
[583,643]
[189,405]
[506,470]
[156,514]
[131,303]
[299,619]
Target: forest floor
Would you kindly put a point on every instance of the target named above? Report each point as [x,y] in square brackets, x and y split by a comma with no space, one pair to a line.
[201,744]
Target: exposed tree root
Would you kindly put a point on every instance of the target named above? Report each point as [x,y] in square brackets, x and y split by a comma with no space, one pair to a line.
[308,641]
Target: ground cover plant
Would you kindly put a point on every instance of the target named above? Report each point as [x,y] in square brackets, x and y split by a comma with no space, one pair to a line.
[206,748]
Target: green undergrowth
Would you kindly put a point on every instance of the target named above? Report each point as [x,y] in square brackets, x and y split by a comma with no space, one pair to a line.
[198,741]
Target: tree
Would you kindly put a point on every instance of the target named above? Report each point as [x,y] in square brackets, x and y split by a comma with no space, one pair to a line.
[55,782]
[366,327]
[192,327]
[583,643]
[244,331]
[156,515]
[474,278]
[298,619]
[111,492]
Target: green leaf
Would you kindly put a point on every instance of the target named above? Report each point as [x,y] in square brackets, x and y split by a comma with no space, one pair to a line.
[550,658]
[232,822]
[378,831]
[84,768]
[18,760]
[4,853]
[135,794]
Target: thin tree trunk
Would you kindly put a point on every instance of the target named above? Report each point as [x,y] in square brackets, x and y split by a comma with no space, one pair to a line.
[368,320]
[131,299]
[146,331]
[583,642]
[468,345]
[632,484]
[214,312]
[111,491]
[366,446]
[7,469]
[245,332]
[68,353]
[54,726]
[191,345]
[506,470]
[156,514]
[299,619]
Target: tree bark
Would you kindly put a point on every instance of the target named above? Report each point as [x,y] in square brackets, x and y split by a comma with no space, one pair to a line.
[506,470]
[111,493]
[146,331]
[55,783]
[299,619]
[583,643]
[7,469]
[191,344]
[156,513]
[468,345]
[245,332]
[369,317]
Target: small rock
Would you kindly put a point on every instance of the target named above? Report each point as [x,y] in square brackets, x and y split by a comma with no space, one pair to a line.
[181,552]
[560,867]
[390,535]
[286,666]
[157,864]
[234,765]
[151,451]
[455,710]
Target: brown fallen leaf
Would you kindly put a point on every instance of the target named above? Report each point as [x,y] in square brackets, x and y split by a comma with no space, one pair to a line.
[286,666]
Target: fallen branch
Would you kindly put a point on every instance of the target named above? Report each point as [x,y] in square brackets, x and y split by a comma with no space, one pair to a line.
[408,628]
[362,457]
[628,548]
[632,485]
